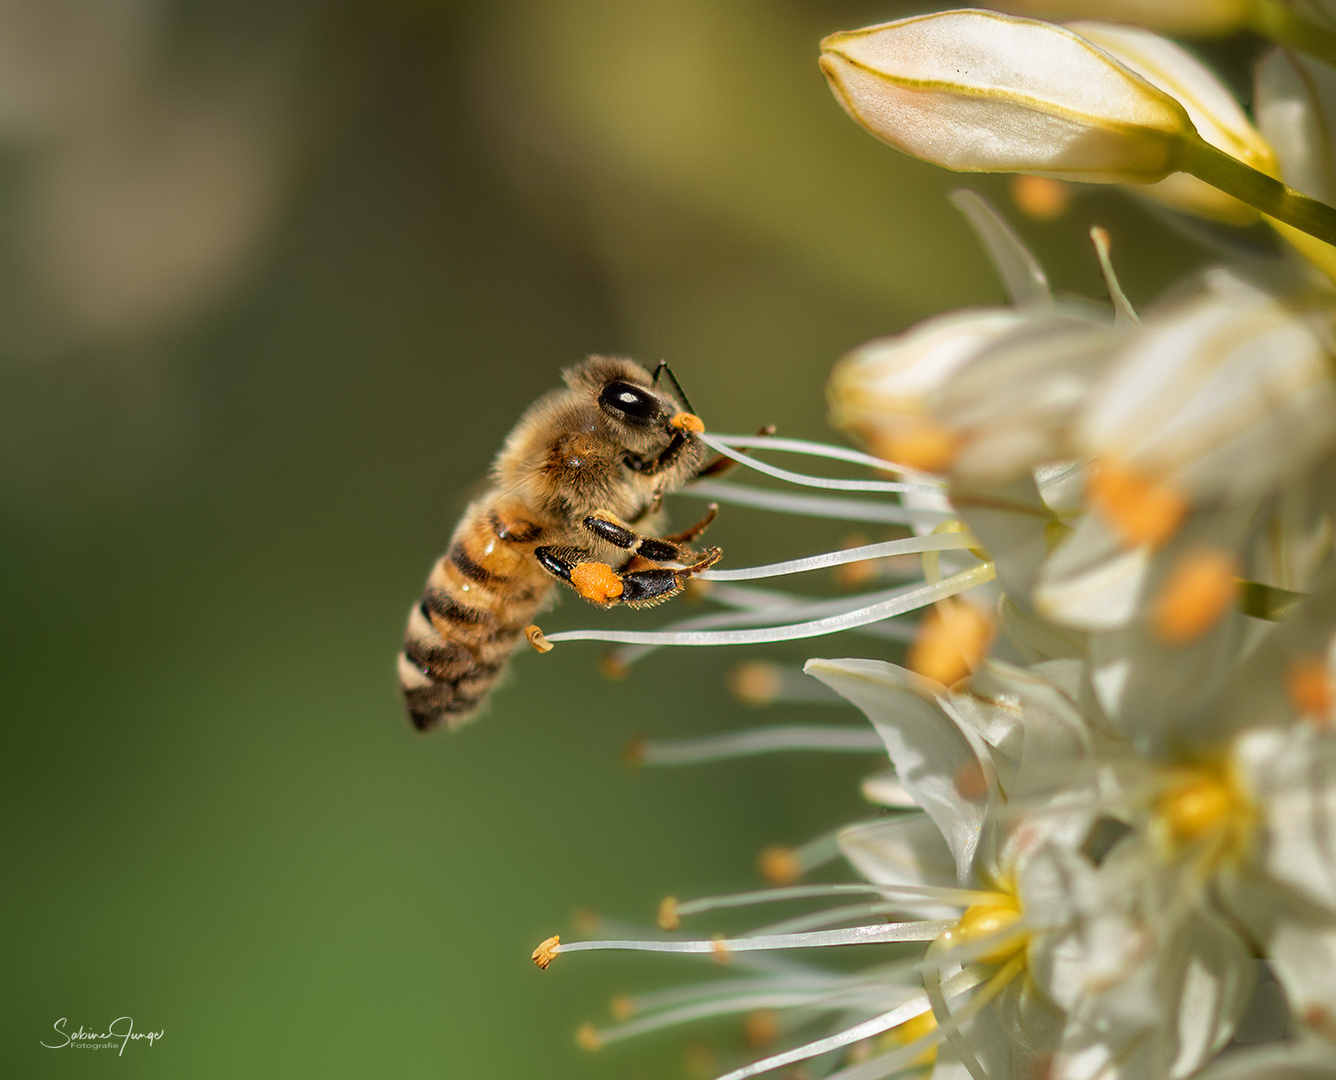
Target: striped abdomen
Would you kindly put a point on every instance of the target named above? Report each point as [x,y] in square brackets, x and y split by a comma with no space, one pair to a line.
[480,596]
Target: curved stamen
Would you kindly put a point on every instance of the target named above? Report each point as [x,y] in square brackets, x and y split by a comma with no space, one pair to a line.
[912,600]
[804,480]
[815,505]
[916,1006]
[914,545]
[823,450]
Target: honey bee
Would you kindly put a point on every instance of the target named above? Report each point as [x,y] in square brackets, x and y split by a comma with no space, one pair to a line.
[582,474]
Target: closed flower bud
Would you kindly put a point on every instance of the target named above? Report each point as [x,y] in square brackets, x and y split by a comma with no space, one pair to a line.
[1217,117]
[1192,18]
[976,91]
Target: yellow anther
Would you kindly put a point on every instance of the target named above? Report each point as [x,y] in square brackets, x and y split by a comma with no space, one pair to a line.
[1140,510]
[1040,197]
[779,865]
[622,1008]
[536,639]
[952,638]
[991,920]
[668,918]
[1203,805]
[1200,588]
[755,682]
[913,1029]
[587,1037]
[547,951]
[1309,688]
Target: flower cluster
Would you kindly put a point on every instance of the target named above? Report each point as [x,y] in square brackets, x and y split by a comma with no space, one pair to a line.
[1108,840]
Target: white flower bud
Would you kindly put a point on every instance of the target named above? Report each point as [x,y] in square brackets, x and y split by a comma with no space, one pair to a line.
[1217,117]
[976,91]
[1191,18]
[1223,396]
[883,390]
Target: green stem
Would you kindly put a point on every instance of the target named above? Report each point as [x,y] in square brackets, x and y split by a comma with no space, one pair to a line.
[1278,21]
[1258,190]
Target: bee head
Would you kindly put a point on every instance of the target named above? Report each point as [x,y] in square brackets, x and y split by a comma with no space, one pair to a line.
[640,413]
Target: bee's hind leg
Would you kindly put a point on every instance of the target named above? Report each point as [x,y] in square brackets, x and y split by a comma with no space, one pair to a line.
[599,583]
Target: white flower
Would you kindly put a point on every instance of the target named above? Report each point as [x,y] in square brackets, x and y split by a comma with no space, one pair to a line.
[977,91]
[1145,985]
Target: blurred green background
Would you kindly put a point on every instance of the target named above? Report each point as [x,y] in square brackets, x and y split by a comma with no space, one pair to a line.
[276,280]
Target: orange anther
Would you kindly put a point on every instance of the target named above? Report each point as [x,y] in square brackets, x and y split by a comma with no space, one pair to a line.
[688,422]
[536,639]
[951,640]
[1040,197]
[1309,688]
[547,951]
[1200,588]
[668,918]
[760,1028]
[622,1008]
[587,1037]
[918,444]
[1141,510]
[755,682]
[596,581]
[722,953]
[779,865]
[970,782]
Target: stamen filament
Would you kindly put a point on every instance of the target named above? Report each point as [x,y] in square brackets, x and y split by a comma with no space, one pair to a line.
[914,545]
[916,1006]
[829,916]
[880,934]
[757,606]
[912,600]
[961,897]
[804,480]
[814,505]
[816,983]
[840,999]
[841,739]
[949,1023]
[824,450]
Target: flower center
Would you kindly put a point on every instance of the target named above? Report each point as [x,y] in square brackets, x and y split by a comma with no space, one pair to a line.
[1206,806]
[991,920]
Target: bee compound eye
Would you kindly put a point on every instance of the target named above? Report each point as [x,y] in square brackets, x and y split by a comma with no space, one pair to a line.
[628,400]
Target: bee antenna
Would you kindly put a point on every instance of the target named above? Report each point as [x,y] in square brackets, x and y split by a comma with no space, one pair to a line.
[682,394]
